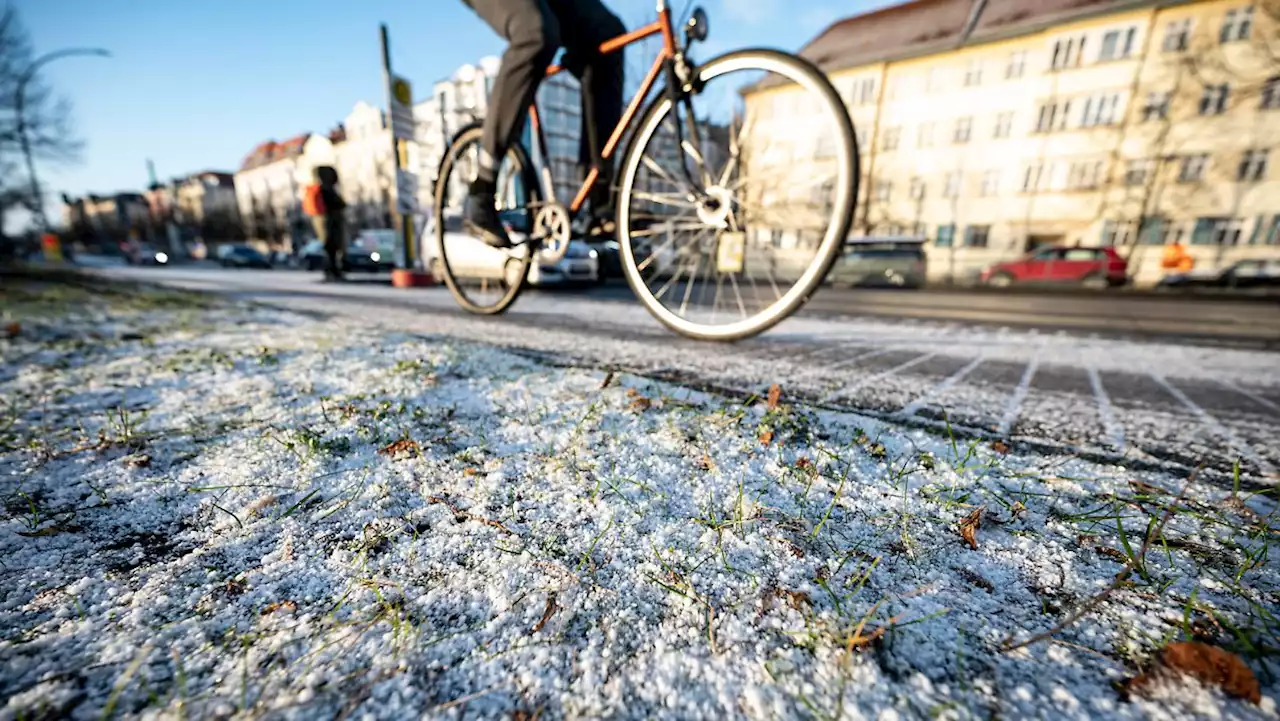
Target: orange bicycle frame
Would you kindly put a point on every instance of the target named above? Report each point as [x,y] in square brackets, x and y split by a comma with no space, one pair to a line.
[661,25]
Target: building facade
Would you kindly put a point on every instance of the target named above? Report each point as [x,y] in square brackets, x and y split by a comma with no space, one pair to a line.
[268,194]
[993,127]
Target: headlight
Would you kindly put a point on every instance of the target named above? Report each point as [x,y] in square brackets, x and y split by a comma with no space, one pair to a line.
[375,256]
[162,257]
[696,29]
[593,254]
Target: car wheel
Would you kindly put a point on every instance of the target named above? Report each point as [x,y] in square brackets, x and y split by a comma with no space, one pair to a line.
[1000,280]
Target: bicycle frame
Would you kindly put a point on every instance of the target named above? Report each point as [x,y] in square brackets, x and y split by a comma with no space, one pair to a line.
[665,55]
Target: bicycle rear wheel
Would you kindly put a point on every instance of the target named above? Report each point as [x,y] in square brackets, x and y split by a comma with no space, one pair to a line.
[482,279]
[728,227]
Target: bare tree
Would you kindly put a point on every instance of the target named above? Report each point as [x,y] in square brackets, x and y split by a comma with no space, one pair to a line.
[46,119]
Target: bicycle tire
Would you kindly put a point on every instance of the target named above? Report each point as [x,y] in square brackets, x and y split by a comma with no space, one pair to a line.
[524,168]
[805,73]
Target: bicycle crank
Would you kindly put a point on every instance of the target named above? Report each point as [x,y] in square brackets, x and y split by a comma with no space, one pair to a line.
[552,229]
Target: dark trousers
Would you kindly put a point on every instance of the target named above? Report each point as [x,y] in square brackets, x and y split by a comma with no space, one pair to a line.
[534,31]
[330,233]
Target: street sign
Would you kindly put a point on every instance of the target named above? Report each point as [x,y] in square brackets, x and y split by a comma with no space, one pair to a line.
[406,192]
[402,123]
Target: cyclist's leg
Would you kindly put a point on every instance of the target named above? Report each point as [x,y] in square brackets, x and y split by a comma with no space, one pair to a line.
[602,79]
[533,36]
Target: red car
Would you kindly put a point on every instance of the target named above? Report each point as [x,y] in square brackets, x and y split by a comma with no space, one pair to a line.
[1087,267]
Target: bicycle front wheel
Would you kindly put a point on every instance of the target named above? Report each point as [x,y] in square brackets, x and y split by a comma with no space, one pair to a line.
[729,218]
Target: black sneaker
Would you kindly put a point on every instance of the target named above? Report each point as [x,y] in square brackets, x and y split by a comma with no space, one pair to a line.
[481,219]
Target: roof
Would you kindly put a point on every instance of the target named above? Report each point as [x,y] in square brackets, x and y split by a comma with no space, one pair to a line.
[270,151]
[924,27]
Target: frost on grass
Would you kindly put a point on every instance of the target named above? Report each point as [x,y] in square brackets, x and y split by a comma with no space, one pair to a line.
[216,510]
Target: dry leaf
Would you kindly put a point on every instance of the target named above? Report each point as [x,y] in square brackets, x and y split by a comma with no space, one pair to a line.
[608,378]
[289,606]
[404,445]
[13,329]
[1000,447]
[138,460]
[969,526]
[639,403]
[1147,488]
[706,464]
[235,587]
[546,614]
[803,462]
[766,437]
[468,472]
[1111,553]
[49,531]
[1208,664]
[775,394]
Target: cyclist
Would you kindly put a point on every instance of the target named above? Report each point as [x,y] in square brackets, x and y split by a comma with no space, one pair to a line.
[534,31]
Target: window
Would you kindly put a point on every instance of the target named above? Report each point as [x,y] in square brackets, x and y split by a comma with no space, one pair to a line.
[952,186]
[917,189]
[1033,178]
[990,183]
[1253,166]
[924,136]
[946,236]
[864,91]
[1217,231]
[976,236]
[1236,24]
[1004,123]
[884,189]
[1156,107]
[933,79]
[1084,175]
[964,127]
[1271,93]
[1177,36]
[1136,172]
[1192,168]
[1053,116]
[1114,234]
[1117,44]
[1067,52]
[973,73]
[1214,99]
[891,137]
[1017,65]
[1100,111]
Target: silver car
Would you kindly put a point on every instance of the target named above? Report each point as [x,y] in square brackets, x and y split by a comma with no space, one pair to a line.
[880,263]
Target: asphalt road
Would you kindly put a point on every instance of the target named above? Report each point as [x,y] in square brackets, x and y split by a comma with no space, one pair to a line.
[1147,381]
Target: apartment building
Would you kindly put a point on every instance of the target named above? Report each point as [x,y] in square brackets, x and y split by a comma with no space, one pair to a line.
[268,193]
[991,127]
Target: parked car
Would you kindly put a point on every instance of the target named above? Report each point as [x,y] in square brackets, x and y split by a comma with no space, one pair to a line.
[242,256]
[881,262]
[356,258]
[146,254]
[472,258]
[1057,265]
[1241,274]
[609,254]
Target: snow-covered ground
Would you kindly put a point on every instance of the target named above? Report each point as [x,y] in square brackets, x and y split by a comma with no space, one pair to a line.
[215,510]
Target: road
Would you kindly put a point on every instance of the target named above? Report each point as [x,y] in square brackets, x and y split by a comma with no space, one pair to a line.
[1145,381]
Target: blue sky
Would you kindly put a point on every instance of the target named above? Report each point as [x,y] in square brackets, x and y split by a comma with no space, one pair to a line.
[195,84]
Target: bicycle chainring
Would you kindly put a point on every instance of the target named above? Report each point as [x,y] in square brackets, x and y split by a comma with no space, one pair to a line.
[552,228]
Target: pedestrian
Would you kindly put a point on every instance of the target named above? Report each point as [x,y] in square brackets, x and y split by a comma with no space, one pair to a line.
[325,205]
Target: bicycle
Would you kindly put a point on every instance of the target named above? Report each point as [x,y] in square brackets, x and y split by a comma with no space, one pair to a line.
[739,230]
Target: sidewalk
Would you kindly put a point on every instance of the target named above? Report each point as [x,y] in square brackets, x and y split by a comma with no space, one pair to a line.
[219,510]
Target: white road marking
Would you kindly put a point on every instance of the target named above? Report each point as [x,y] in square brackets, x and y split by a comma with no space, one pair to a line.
[914,406]
[1014,407]
[1249,394]
[879,376]
[1115,432]
[1216,427]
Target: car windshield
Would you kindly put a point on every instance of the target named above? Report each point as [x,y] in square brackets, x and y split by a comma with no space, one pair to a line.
[883,251]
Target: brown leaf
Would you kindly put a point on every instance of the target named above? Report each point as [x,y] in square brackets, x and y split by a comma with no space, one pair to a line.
[546,613]
[1000,447]
[1208,664]
[766,437]
[706,464]
[137,460]
[608,378]
[969,526]
[289,606]
[404,445]
[1111,553]
[13,329]
[49,531]
[469,472]
[640,404]
[803,462]
[775,394]
[235,587]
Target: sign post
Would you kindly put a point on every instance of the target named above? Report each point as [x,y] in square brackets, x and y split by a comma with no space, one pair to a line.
[403,129]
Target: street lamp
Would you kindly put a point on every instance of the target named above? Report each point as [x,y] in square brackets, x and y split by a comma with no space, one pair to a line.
[20,101]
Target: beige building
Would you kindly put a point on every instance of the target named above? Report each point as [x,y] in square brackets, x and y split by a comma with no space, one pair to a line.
[993,127]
